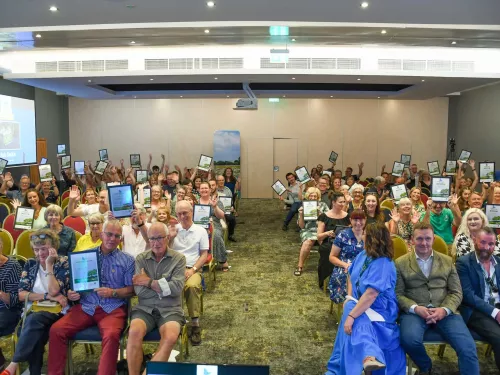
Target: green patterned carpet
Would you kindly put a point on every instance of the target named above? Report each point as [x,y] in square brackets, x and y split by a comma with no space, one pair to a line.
[260,313]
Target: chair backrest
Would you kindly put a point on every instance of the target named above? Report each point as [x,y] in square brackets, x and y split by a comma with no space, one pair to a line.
[388,203]
[64,203]
[439,245]
[8,202]
[77,235]
[399,245]
[8,225]
[8,242]
[23,246]
[65,195]
[425,191]
[75,222]
[4,211]
[424,198]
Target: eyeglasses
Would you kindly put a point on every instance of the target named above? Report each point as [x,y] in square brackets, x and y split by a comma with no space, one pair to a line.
[109,234]
[156,239]
[41,236]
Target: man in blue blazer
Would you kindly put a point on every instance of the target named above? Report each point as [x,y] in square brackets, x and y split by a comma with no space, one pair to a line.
[479,273]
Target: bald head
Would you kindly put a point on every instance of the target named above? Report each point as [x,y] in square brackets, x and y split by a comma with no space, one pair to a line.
[184,212]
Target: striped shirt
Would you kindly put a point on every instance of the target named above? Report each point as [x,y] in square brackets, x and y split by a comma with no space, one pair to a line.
[10,273]
[117,269]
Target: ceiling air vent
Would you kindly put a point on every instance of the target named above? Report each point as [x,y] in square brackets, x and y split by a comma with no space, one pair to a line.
[265,63]
[93,66]
[320,63]
[156,64]
[298,63]
[463,66]
[116,65]
[439,65]
[46,66]
[231,63]
[348,63]
[414,65]
[389,64]
[69,66]
[180,63]
[209,63]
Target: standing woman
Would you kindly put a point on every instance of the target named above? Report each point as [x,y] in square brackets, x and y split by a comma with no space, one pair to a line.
[362,344]
[67,238]
[35,200]
[216,214]
[371,207]
[234,185]
[326,234]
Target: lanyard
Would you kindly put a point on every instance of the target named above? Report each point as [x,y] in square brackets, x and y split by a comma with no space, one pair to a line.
[363,269]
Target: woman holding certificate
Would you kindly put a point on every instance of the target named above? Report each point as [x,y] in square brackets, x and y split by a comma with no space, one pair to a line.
[403,218]
[49,190]
[44,284]
[36,201]
[67,238]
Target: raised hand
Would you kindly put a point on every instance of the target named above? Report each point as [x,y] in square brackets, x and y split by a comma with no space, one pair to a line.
[16,203]
[150,157]
[167,195]
[429,204]
[122,161]
[472,164]
[361,165]
[74,193]
[383,167]
[177,168]
[395,215]
[415,218]
[453,200]
[163,156]
[213,201]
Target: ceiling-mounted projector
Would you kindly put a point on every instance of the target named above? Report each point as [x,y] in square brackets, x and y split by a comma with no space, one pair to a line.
[247,103]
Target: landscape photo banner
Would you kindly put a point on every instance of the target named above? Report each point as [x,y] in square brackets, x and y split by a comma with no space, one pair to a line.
[227,151]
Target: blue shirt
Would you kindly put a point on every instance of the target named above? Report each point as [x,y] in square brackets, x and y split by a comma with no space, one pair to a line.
[117,269]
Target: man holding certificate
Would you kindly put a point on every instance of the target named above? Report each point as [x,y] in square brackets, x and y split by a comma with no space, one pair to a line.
[105,306]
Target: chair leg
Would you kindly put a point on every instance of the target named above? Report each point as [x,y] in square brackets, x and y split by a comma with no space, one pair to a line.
[442,347]
[70,358]
[409,363]
[201,307]
[340,311]
[331,307]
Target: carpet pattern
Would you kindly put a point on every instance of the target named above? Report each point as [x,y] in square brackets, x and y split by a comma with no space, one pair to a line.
[260,313]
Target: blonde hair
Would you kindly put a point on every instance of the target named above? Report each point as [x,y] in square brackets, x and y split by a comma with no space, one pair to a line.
[53,208]
[313,190]
[50,235]
[464,228]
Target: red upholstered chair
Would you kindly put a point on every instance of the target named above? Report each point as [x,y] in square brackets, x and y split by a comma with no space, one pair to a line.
[8,225]
[423,198]
[364,183]
[75,222]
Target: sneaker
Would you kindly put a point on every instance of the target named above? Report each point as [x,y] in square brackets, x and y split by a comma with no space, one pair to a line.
[231,238]
[195,335]
[372,364]
[190,330]
[284,227]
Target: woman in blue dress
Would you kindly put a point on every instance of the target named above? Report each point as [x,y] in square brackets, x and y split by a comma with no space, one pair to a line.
[368,336]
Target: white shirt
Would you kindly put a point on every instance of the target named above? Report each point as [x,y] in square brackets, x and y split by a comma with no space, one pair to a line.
[133,244]
[487,291]
[190,242]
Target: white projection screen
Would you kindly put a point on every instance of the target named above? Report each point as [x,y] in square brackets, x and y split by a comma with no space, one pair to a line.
[17,131]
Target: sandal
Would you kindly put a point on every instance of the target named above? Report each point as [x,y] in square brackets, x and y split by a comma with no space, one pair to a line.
[298,271]
[372,364]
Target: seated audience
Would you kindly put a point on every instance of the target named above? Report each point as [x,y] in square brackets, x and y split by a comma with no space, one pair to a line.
[33,199]
[10,306]
[13,191]
[327,224]
[93,238]
[362,344]
[372,210]
[104,307]
[85,210]
[156,198]
[134,234]
[416,200]
[425,180]
[463,200]
[323,186]
[476,200]
[159,283]
[180,194]
[379,187]
[161,215]
[479,273]
[309,228]
[67,237]
[462,180]
[357,198]
[49,191]
[230,218]
[403,218]
[191,240]
[44,278]
[337,184]
[348,172]
[155,170]
[292,198]
[346,247]
[413,176]
[429,294]
[442,218]
[494,193]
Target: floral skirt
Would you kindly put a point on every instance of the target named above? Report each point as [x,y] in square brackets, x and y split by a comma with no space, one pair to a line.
[338,285]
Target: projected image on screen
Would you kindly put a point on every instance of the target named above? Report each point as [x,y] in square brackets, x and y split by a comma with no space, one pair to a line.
[17,130]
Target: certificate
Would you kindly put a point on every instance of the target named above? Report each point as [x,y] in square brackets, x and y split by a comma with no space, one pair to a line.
[205,162]
[464,156]
[61,150]
[201,215]
[121,200]
[398,192]
[24,218]
[333,157]
[486,172]
[227,202]
[43,161]
[103,154]
[451,167]
[101,167]
[433,167]
[135,161]
[406,159]
[278,187]
[302,175]
[440,188]
[310,210]
[147,197]
[141,176]
[493,215]
[3,164]
[84,270]
[398,168]
[328,173]
[45,172]
[66,162]
[80,167]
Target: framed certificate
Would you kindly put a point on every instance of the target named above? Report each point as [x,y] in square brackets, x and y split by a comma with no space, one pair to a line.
[25,216]
[278,187]
[147,197]
[433,167]
[84,270]
[135,161]
[227,202]
[406,159]
[201,215]
[440,188]
[493,215]
[451,167]
[329,173]
[310,210]
[103,154]
[398,168]
[302,175]
[333,157]
[80,167]
[3,164]
[101,167]
[398,192]
[486,172]
[121,200]
[61,150]
[45,172]
[205,162]
[66,162]
[141,176]
[464,156]
[43,161]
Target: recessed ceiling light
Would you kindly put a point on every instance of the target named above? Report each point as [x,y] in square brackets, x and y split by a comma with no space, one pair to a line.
[384,31]
[293,77]
[132,42]
[210,4]
[38,35]
[364,4]
[207,31]
[53,8]
[181,96]
[151,79]
[284,96]
[454,42]
[378,97]
[294,40]
[359,79]
[227,96]
[423,80]
[135,97]
[216,78]
[331,96]
[89,81]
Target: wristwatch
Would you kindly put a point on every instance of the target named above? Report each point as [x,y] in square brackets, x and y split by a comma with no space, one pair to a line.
[140,225]
[45,296]
[115,294]
[149,283]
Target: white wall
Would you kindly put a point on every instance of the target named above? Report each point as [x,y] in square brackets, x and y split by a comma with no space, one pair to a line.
[374,131]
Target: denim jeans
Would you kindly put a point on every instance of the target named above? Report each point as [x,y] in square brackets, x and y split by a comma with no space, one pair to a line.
[293,210]
[453,330]
[8,321]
